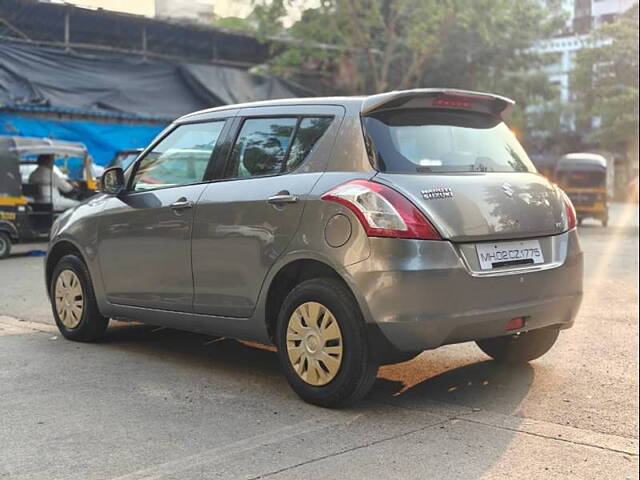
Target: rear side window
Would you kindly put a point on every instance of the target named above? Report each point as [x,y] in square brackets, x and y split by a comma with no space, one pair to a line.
[181,158]
[427,141]
[270,146]
[309,132]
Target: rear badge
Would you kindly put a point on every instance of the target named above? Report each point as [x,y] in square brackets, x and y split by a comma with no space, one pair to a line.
[507,189]
[433,193]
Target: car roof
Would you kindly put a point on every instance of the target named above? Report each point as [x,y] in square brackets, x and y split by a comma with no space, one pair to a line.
[587,160]
[37,145]
[584,157]
[366,104]
[280,103]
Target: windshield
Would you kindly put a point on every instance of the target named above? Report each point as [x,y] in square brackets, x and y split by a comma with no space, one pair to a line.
[425,141]
[582,179]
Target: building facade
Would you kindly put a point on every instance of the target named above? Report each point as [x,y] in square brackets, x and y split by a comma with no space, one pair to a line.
[582,16]
[191,10]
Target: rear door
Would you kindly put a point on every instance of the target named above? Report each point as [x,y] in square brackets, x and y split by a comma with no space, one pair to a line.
[144,234]
[246,219]
[466,170]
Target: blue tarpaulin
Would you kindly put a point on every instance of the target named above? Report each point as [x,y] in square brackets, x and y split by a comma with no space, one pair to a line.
[103,140]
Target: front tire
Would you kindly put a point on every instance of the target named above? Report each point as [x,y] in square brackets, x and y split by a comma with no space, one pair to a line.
[5,245]
[322,344]
[74,303]
[520,348]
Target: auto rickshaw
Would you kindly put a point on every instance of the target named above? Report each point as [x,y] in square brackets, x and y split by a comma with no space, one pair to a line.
[24,216]
[585,178]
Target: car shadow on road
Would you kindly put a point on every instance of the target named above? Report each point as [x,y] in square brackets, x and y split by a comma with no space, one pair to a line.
[438,390]
[192,350]
[422,381]
[480,385]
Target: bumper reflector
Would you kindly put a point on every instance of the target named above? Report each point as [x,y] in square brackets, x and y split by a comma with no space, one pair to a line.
[515,323]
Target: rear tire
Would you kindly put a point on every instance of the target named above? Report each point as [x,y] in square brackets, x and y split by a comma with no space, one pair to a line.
[328,382]
[5,245]
[74,303]
[520,348]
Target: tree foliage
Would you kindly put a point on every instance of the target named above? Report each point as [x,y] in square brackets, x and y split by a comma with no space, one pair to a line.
[377,45]
[606,82]
[233,23]
[397,43]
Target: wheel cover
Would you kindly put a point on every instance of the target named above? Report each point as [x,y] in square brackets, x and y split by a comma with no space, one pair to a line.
[314,343]
[69,298]
[3,245]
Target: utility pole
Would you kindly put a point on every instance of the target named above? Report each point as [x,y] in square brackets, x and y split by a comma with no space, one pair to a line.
[144,42]
[67,28]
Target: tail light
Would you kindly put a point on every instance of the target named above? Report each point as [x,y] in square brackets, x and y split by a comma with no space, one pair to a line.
[382,211]
[570,211]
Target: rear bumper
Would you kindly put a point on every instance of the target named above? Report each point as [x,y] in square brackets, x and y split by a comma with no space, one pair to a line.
[422,294]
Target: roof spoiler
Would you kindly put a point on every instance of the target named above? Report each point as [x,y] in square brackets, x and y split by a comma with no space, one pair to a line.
[439,98]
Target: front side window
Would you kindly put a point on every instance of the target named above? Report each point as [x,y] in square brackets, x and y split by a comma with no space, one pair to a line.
[181,158]
[426,141]
[265,145]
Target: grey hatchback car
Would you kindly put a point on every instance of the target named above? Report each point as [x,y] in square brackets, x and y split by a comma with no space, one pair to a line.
[349,232]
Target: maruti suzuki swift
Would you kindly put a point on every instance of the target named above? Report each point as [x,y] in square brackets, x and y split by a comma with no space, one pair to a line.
[349,232]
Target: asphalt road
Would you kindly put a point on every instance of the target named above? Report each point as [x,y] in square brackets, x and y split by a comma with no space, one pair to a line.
[155,403]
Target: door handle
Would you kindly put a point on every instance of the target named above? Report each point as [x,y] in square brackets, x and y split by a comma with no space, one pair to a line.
[283,198]
[181,204]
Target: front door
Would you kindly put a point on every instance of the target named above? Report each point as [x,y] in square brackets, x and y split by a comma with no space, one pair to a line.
[245,221]
[144,235]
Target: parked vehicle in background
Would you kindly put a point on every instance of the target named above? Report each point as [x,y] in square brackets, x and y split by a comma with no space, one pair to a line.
[350,232]
[24,214]
[586,178]
[632,190]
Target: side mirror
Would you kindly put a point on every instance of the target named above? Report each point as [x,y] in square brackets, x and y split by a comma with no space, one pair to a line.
[112,181]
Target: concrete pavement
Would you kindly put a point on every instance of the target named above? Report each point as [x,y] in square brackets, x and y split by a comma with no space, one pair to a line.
[156,403]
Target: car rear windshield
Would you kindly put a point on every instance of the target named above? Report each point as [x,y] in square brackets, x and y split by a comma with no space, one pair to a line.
[428,141]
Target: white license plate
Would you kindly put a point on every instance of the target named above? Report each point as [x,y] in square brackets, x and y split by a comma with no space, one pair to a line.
[506,254]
